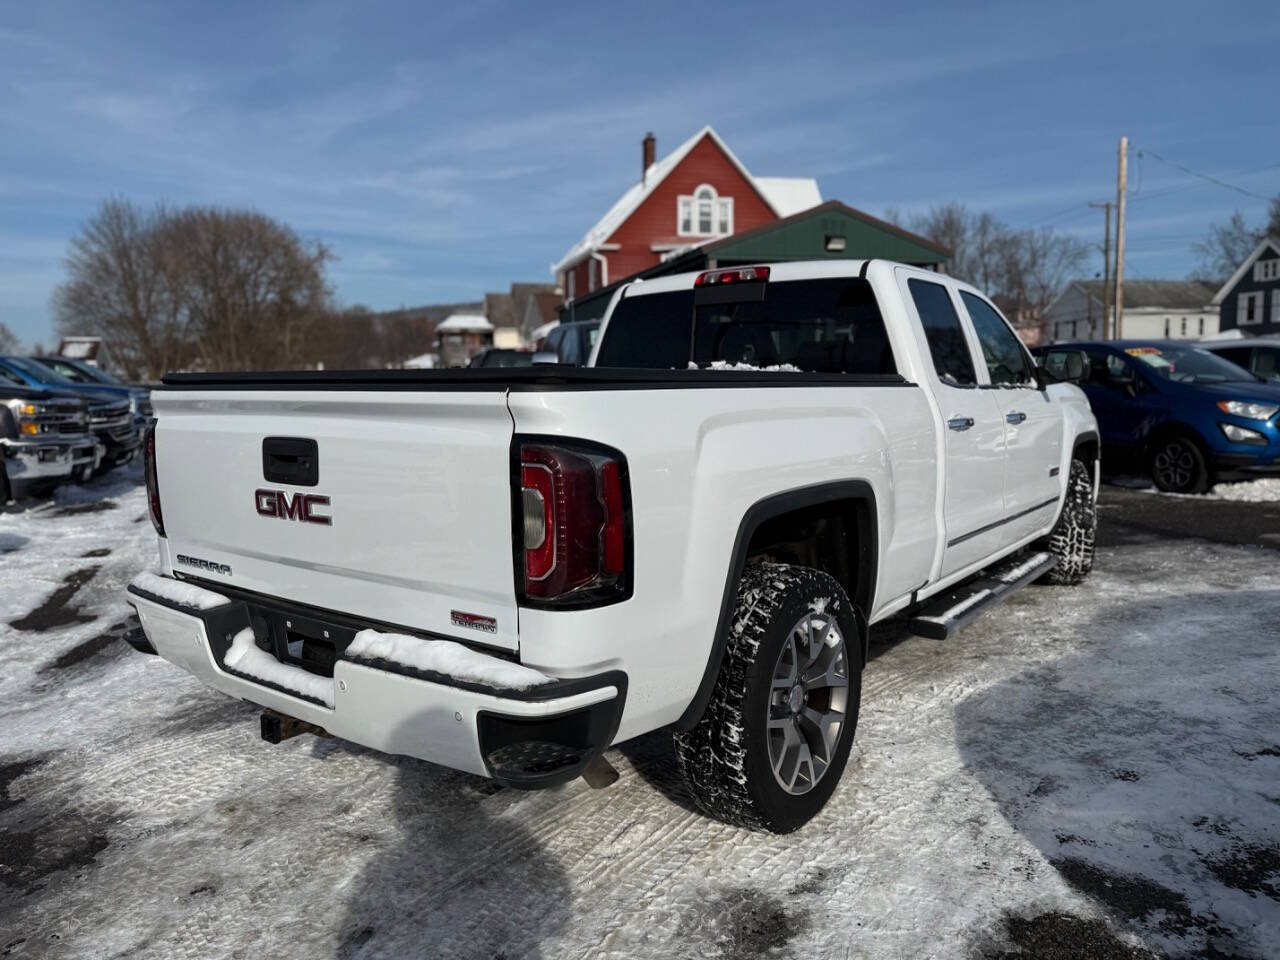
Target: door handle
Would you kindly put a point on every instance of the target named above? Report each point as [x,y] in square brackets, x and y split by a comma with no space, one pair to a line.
[1014,417]
[960,423]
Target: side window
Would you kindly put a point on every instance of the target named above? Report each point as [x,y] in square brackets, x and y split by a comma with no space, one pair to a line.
[1240,356]
[552,344]
[1006,360]
[569,352]
[947,345]
[1109,369]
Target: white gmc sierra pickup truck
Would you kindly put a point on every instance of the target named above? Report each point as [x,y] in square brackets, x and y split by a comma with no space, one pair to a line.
[506,571]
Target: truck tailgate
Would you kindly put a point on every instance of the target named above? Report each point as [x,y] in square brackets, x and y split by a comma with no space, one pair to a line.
[419,502]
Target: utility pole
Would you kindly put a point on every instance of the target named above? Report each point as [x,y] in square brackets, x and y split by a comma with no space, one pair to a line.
[1106,268]
[1122,185]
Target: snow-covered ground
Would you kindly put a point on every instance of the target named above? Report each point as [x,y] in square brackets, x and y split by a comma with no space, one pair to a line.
[1095,769]
[1264,490]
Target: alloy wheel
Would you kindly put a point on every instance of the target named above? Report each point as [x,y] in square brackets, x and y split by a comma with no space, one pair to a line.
[1175,465]
[808,698]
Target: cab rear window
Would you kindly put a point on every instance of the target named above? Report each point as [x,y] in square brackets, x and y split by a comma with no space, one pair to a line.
[832,325]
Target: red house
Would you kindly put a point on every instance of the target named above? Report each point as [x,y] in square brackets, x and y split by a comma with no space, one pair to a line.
[697,193]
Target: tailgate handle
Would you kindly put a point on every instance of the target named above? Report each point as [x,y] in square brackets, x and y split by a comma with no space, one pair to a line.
[292,460]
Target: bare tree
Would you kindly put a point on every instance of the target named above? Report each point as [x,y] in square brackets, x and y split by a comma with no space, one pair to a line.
[8,340]
[166,289]
[251,291]
[117,290]
[1039,264]
[1022,269]
[1227,244]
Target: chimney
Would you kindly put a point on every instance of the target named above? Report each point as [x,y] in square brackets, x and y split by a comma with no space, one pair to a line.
[649,146]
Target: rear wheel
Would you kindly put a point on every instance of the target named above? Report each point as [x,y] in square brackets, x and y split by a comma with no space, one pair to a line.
[6,492]
[1178,465]
[770,748]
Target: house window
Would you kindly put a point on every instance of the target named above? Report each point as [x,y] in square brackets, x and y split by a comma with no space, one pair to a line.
[1184,326]
[1166,328]
[573,277]
[591,275]
[704,214]
[1249,309]
[1202,326]
[1275,306]
[1266,270]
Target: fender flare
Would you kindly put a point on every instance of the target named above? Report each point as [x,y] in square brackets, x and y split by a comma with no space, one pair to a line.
[773,506]
[1083,437]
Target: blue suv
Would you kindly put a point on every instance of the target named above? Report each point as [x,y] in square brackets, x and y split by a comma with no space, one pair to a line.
[1172,409]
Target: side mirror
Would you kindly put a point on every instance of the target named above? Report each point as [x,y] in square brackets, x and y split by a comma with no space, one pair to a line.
[1066,366]
[545,356]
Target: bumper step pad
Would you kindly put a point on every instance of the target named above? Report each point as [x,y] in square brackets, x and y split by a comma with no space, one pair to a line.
[941,616]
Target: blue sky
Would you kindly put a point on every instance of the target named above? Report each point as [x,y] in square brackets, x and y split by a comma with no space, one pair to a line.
[443,150]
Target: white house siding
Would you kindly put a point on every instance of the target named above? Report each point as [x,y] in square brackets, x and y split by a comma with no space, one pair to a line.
[1077,313]
[1157,324]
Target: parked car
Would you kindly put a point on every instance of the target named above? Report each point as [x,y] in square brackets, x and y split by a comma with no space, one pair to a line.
[1184,415]
[1259,355]
[86,373]
[507,571]
[501,357]
[44,440]
[570,342]
[111,409]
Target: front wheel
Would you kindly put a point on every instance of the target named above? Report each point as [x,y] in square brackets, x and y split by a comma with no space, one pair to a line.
[1178,466]
[1071,542]
[773,741]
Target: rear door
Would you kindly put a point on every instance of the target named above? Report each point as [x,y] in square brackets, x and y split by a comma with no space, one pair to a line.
[1033,424]
[404,517]
[973,502]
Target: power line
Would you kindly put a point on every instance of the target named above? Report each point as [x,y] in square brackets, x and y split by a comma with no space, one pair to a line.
[1205,176]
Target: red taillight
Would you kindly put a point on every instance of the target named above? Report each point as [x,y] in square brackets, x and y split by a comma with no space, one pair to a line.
[715,278]
[572,502]
[149,471]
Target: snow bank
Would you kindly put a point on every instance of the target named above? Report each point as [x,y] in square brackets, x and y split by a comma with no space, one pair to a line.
[1265,490]
[1250,491]
[726,365]
[245,657]
[186,594]
[444,657]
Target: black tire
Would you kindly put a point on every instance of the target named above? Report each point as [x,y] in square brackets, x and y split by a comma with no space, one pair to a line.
[725,759]
[1071,541]
[6,492]
[1178,465]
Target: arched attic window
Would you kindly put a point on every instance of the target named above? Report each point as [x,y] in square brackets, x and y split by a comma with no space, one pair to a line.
[704,213]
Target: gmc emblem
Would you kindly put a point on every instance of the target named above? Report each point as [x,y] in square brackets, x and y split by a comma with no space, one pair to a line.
[300,506]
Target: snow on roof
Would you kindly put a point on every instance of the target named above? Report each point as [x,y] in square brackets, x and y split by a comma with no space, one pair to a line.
[788,195]
[458,322]
[788,191]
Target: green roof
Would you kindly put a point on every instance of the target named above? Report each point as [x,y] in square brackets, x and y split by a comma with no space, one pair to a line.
[804,235]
